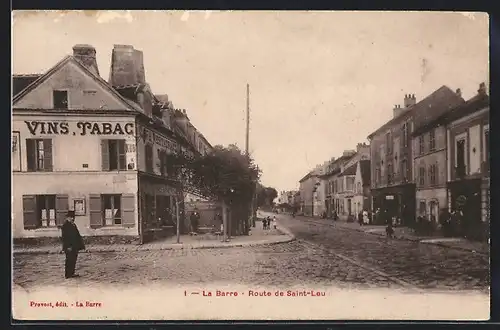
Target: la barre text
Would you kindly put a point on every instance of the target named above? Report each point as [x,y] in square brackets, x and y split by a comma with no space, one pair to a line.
[261,293]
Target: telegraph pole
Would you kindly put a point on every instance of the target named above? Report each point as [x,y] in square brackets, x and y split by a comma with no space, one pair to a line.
[247,150]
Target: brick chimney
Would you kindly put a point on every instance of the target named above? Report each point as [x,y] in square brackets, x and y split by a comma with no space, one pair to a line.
[127,66]
[409,100]
[87,55]
[397,110]
[458,92]
[482,89]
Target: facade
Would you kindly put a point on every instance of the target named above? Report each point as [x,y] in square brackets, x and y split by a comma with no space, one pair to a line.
[307,186]
[98,148]
[392,173]
[319,193]
[468,170]
[347,193]
[362,191]
[429,162]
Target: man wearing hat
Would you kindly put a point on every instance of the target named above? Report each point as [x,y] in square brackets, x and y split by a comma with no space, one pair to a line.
[72,243]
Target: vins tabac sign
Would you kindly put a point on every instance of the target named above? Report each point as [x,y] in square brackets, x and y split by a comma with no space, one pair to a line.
[81,128]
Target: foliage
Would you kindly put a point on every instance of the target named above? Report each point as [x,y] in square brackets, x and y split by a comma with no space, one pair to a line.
[265,195]
[225,173]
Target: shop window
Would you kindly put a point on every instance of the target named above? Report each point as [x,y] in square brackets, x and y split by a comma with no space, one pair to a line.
[432,140]
[60,99]
[113,155]
[111,210]
[39,154]
[44,211]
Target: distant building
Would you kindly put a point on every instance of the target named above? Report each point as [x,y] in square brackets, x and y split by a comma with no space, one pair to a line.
[393,188]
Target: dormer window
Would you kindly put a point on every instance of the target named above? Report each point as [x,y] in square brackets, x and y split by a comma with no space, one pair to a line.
[60,99]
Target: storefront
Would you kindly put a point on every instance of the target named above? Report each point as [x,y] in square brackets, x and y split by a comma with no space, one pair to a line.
[398,201]
[465,196]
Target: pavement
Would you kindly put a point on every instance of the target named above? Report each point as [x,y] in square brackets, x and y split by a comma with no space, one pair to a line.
[405,233]
[257,236]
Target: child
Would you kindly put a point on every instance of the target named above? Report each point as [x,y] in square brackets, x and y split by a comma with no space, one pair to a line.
[274,222]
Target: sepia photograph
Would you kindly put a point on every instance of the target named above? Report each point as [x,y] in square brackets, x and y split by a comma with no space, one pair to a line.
[250,165]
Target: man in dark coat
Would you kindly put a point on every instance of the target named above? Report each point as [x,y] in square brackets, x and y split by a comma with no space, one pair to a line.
[195,220]
[72,243]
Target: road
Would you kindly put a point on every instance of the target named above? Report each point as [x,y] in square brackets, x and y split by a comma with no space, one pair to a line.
[321,255]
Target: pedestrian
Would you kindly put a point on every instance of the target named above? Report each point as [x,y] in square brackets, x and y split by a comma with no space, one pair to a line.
[264,223]
[360,218]
[366,220]
[389,230]
[195,217]
[72,243]
[274,222]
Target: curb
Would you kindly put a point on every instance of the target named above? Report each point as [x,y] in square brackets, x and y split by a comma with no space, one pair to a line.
[418,240]
[290,238]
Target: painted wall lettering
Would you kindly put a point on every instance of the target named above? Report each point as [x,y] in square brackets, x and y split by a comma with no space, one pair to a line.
[83,128]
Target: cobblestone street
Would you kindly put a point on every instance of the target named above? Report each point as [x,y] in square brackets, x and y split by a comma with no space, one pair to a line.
[322,255]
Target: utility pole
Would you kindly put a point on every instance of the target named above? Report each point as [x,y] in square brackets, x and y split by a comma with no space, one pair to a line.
[247,151]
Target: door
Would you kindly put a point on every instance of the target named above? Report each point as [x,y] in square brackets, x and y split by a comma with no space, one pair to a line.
[349,207]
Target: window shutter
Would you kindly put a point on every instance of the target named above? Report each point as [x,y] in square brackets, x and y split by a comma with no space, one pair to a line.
[95,211]
[30,219]
[436,174]
[122,159]
[128,210]
[31,154]
[47,155]
[61,209]
[105,155]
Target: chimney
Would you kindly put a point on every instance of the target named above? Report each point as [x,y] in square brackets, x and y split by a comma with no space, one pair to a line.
[87,55]
[458,92]
[482,89]
[127,66]
[409,100]
[397,110]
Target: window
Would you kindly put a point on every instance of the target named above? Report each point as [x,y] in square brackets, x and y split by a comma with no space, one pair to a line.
[432,140]
[486,144]
[162,156]
[149,158]
[113,155]
[111,210]
[421,176]
[389,173]
[433,174]
[359,187]
[433,210]
[388,142]
[44,211]
[39,154]
[421,147]
[60,99]
[422,209]
[404,169]
[460,154]
[405,134]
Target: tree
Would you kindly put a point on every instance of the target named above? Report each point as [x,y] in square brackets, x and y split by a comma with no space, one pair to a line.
[225,174]
[265,196]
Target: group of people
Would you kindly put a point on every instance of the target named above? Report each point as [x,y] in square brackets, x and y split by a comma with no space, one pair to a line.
[267,222]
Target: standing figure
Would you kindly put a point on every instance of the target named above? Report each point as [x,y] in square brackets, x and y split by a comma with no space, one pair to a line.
[274,222]
[366,220]
[195,218]
[72,243]
[264,223]
[360,218]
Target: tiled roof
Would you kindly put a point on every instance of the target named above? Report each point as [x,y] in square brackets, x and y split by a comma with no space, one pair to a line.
[441,99]
[476,103]
[21,81]
[351,170]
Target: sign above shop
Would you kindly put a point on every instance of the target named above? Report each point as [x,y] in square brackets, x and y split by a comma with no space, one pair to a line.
[389,197]
[82,128]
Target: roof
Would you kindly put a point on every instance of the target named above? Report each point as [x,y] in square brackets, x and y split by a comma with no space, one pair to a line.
[476,103]
[21,81]
[442,98]
[364,167]
[58,65]
[307,176]
[336,161]
[351,170]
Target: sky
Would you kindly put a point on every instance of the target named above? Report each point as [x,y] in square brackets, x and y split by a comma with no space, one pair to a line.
[320,82]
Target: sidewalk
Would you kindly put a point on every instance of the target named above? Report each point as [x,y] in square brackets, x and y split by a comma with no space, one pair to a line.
[203,241]
[406,233]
